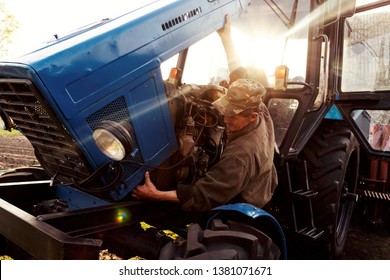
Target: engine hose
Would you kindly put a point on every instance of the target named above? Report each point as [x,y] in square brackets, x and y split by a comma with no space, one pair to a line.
[85,184]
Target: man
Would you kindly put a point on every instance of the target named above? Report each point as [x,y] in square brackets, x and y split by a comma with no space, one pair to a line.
[245,172]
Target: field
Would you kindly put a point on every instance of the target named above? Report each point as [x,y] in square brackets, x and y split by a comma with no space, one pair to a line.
[15,150]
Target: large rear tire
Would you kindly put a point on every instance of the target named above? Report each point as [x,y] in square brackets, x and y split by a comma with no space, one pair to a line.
[332,156]
[223,240]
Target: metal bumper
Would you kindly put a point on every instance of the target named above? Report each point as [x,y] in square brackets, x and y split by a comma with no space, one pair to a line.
[38,238]
[72,235]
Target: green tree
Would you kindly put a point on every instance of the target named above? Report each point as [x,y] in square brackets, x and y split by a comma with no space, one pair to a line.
[8,25]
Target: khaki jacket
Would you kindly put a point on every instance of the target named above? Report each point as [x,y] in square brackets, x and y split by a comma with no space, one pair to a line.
[245,172]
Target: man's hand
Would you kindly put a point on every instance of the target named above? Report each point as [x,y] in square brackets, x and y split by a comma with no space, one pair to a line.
[150,192]
[224,32]
[147,190]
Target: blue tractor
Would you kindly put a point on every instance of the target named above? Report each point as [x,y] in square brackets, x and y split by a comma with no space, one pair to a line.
[103,105]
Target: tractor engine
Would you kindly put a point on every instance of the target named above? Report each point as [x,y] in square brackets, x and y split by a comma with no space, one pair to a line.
[199,130]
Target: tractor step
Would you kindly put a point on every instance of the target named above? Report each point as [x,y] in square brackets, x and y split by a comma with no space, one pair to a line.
[376,195]
[312,233]
[304,193]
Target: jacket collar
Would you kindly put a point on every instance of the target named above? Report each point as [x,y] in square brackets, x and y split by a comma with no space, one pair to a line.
[251,126]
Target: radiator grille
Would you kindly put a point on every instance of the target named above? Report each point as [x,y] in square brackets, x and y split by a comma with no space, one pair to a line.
[54,148]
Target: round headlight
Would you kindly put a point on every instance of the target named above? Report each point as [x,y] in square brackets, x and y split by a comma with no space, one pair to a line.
[114,139]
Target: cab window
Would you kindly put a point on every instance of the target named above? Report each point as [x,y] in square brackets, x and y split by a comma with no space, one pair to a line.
[367,52]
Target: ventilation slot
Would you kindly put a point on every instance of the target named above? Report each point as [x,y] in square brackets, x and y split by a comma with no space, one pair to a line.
[180,19]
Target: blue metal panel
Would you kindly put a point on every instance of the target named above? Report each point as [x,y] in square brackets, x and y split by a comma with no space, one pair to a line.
[257,214]
[77,199]
[81,69]
[334,114]
[146,105]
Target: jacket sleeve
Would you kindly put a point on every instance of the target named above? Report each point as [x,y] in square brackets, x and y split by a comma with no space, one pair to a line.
[222,183]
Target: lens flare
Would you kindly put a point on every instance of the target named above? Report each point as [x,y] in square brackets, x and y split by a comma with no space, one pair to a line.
[122,216]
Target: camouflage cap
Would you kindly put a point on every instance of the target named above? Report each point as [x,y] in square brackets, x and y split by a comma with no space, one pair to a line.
[242,94]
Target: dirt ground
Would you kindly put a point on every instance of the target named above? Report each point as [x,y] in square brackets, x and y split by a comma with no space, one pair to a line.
[363,242]
[15,151]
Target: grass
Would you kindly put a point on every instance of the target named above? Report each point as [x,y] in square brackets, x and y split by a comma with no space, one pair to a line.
[6,133]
